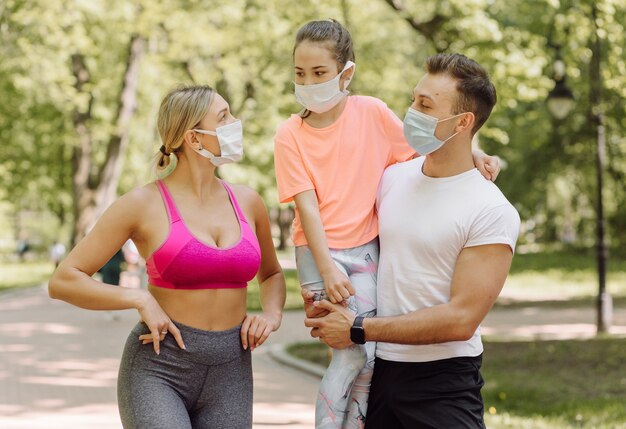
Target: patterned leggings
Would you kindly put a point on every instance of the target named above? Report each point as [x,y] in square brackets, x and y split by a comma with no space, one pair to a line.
[342,398]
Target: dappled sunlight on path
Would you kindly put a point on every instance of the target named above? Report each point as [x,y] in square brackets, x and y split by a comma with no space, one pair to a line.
[58,368]
[58,363]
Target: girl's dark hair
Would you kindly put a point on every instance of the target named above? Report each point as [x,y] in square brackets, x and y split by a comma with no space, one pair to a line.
[334,37]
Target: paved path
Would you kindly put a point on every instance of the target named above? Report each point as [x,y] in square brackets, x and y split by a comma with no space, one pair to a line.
[58,364]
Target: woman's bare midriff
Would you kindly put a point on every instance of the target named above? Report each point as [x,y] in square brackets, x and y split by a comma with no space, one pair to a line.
[207,309]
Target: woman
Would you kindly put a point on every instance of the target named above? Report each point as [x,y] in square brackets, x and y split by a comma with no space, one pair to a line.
[187,364]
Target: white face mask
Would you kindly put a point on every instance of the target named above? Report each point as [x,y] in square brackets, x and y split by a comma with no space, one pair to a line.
[230,138]
[322,97]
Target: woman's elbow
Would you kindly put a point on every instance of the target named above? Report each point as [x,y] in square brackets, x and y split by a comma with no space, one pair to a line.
[53,286]
[57,284]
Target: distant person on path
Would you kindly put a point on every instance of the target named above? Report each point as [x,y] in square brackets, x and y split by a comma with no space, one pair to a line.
[22,249]
[57,252]
[112,269]
[447,238]
[203,241]
[329,159]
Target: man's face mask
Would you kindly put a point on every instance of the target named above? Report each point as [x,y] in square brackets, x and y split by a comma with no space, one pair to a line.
[322,97]
[419,131]
[230,138]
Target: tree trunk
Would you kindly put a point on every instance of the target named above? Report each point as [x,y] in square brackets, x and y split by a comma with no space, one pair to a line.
[94,187]
[284,220]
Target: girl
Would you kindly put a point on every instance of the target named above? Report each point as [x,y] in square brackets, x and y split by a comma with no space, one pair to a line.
[203,240]
[329,159]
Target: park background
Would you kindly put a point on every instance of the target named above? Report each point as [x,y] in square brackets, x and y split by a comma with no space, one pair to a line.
[81,80]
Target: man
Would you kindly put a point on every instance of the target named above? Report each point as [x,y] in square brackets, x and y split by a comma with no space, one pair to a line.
[447,238]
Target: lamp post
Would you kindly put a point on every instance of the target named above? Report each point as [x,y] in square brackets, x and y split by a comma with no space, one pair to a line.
[561,99]
[560,102]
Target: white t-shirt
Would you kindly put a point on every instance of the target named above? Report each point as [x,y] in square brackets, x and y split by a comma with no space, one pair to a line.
[424,224]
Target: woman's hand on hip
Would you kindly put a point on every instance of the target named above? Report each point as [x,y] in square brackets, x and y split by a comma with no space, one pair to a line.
[256,328]
[158,322]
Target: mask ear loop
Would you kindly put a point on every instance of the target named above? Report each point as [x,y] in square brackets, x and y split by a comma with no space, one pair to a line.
[349,64]
[458,132]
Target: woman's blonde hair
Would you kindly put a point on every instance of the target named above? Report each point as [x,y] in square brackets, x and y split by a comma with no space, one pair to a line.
[181,110]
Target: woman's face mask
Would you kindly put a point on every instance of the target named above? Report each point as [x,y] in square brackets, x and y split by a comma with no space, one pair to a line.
[419,131]
[230,138]
[322,97]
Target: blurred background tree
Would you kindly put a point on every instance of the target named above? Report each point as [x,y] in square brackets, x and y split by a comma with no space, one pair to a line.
[81,82]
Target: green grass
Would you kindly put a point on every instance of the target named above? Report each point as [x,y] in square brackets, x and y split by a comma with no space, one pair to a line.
[568,275]
[555,384]
[24,274]
[564,274]
[560,275]
[294,299]
[543,385]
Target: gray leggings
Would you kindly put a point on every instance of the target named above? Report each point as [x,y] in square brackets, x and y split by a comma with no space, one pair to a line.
[209,385]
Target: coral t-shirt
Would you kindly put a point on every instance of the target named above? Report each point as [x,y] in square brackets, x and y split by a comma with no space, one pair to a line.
[343,163]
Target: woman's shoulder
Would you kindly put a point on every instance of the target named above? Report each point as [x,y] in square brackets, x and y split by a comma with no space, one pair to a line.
[243,192]
[141,197]
[247,198]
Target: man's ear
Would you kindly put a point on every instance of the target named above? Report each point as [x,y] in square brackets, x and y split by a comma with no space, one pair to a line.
[466,122]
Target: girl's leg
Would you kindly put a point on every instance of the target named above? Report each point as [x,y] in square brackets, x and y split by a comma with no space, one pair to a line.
[334,398]
[362,265]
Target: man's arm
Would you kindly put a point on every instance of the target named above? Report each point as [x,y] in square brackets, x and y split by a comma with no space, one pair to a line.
[478,278]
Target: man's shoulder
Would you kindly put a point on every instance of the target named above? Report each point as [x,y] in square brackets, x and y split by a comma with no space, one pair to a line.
[404,169]
[397,174]
[490,204]
[487,192]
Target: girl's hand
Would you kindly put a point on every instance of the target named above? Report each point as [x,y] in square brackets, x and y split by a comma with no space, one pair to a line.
[337,285]
[489,166]
[256,328]
[158,322]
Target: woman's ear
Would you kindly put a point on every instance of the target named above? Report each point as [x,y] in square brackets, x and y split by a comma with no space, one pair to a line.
[191,139]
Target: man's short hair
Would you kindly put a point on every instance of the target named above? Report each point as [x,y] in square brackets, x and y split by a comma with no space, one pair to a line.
[476,93]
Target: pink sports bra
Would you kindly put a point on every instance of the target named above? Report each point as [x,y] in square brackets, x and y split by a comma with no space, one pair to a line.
[184,262]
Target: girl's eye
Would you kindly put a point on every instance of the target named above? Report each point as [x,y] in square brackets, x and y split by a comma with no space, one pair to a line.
[299,74]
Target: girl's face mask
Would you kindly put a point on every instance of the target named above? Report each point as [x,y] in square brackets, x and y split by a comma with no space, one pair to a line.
[419,131]
[230,138]
[322,97]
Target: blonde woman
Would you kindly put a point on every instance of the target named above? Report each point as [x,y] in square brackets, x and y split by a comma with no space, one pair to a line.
[187,363]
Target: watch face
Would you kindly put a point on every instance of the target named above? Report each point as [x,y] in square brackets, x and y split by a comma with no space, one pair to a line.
[357,333]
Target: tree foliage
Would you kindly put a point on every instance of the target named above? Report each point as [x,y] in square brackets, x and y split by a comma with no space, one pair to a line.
[82,81]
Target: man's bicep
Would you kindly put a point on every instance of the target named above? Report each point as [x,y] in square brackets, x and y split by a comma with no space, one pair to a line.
[479,276]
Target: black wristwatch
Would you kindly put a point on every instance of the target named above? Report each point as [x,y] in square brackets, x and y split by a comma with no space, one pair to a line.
[357,333]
